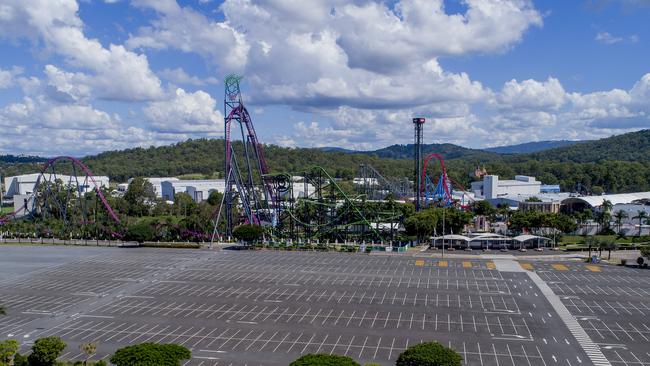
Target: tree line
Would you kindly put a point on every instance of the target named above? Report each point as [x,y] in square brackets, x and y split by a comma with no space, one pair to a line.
[613,165]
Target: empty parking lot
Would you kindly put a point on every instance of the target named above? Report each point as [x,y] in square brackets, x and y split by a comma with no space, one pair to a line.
[268,308]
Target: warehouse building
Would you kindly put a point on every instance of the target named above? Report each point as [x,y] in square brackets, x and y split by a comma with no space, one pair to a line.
[26,183]
[199,190]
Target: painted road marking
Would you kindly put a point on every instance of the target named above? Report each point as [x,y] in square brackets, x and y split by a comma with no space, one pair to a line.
[560,267]
[586,343]
[443,263]
[526,266]
[467,264]
[593,268]
[419,262]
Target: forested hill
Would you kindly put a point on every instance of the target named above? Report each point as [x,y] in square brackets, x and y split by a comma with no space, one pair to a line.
[207,157]
[615,164]
[530,147]
[633,146]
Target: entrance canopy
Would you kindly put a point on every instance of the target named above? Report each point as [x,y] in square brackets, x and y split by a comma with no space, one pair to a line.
[523,238]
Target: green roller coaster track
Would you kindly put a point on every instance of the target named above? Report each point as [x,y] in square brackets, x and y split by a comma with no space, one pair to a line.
[350,205]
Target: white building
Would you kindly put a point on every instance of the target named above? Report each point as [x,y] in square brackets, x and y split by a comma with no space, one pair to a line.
[631,210]
[365,181]
[157,184]
[199,190]
[25,184]
[491,187]
[300,188]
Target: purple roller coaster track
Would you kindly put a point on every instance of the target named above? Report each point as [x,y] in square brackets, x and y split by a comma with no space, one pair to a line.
[54,197]
[254,188]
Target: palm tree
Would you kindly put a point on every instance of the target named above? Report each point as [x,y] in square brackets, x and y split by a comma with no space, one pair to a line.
[602,219]
[89,349]
[592,242]
[608,245]
[620,215]
[586,216]
[607,205]
[641,216]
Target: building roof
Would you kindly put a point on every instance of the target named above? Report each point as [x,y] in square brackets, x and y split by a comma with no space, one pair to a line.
[452,237]
[596,201]
[522,238]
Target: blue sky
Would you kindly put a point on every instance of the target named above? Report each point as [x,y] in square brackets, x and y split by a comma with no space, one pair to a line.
[81,77]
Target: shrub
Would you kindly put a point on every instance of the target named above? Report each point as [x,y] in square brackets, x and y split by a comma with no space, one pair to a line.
[248,233]
[140,232]
[645,252]
[429,354]
[320,359]
[149,354]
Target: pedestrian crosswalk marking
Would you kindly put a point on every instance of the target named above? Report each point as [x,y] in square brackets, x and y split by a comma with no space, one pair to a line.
[560,267]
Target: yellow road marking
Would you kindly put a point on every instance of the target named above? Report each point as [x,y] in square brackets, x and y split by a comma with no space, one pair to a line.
[560,267]
[491,265]
[467,264]
[443,263]
[526,266]
[593,268]
[419,262]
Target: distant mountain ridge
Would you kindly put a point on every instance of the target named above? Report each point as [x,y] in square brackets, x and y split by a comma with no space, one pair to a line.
[21,159]
[531,147]
[451,151]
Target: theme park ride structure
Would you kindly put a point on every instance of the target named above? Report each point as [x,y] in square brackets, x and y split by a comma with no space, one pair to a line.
[441,192]
[66,199]
[254,189]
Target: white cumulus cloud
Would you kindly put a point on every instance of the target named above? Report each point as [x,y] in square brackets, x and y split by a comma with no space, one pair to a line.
[185,113]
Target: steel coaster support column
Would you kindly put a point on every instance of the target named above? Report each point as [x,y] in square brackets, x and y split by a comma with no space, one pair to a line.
[418,123]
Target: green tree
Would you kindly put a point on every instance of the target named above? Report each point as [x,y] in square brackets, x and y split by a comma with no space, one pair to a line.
[429,354]
[150,354]
[45,351]
[184,205]
[641,216]
[483,208]
[140,196]
[8,350]
[248,233]
[215,198]
[3,311]
[422,224]
[324,360]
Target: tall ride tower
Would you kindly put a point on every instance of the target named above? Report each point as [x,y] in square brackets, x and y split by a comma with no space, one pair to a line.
[247,182]
[418,123]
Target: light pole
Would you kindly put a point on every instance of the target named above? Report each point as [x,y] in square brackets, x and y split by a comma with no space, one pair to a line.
[443,232]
